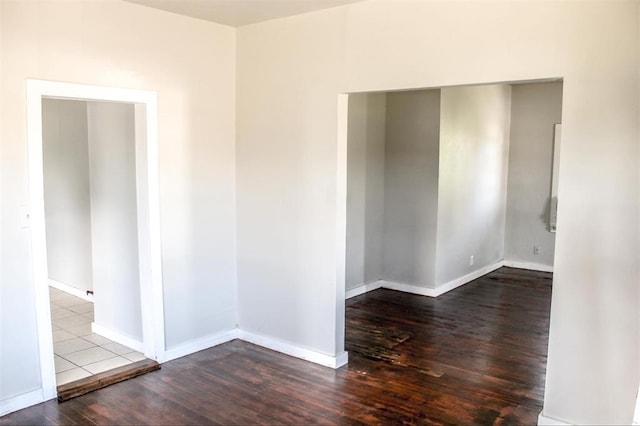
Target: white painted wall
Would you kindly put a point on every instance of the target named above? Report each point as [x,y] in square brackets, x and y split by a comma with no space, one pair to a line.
[535,108]
[3,318]
[365,188]
[411,187]
[474,158]
[116,272]
[638,316]
[67,193]
[192,67]
[287,169]
[286,166]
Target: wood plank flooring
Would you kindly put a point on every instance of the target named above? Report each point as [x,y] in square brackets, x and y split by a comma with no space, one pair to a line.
[475,355]
[106,378]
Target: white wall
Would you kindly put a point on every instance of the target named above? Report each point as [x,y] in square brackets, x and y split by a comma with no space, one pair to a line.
[116,272]
[365,188]
[638,120]
[192,67]
[66,191]
[3,319]
[286,161]
[474,157]
[411,187]
[534,110]
[287,168]
[90,204]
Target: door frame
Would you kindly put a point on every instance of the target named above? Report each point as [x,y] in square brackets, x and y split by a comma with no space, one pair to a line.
[148,211]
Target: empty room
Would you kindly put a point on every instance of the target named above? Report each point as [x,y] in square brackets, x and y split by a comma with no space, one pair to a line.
[346,211]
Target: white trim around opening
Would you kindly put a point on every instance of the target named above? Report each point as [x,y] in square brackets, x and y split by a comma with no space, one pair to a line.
[146,140]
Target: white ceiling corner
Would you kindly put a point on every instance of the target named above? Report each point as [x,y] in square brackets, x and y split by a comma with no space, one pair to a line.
[237,13]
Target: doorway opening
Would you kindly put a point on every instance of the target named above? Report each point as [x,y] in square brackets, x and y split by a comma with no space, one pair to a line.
[438,188]
[91,226]
[143,219]
[445,184]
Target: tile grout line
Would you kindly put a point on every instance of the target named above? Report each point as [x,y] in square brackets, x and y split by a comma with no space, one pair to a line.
[73,309]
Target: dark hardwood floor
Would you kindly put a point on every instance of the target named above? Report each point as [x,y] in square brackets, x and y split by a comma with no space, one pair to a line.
[475,355]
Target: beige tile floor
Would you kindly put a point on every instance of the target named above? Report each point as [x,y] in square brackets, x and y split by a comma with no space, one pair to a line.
[79,353]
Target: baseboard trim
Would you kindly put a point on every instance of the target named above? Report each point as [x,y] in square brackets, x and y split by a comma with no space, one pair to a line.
[293,350]
[423,291]
[362,289]
[409,288]
[257,339]
[550,421]
[71,290]
[117,337]
[199,345]
[530,266]
[444,288]
[22,401]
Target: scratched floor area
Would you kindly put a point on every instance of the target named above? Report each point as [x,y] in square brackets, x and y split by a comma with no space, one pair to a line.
[476,355]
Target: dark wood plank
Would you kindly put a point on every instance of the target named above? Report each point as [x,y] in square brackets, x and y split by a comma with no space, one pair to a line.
[476,355]
[106,378]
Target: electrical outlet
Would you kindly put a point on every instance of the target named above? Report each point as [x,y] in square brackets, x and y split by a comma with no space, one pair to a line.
[536,250]
[470,260]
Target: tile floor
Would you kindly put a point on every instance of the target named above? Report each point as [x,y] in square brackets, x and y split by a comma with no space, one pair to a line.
[79,353]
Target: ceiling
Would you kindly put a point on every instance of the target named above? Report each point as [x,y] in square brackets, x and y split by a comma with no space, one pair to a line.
[241,12]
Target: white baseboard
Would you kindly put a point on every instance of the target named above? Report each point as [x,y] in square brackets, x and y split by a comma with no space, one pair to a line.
[257,339]
[423,291]
[550,421]
[362,289]
[21,401]
[117,337]
[528,265]
[293,350]
[71,290]
[409,288]
[199,345]
[444,288]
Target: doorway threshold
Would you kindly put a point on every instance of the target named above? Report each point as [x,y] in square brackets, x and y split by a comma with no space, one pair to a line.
[98,381]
